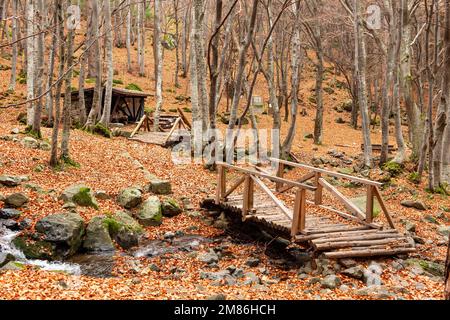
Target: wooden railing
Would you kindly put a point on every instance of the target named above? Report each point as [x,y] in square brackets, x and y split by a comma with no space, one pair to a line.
[372,191]
[251,177]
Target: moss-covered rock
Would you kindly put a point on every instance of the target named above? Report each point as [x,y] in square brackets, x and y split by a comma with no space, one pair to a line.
[97,235]
[133,86]
[34,248]
[433,268]
[150,214]
[361,203]
[102,130]
[81,195]
[130,198]
[171,208]
[395,169]
[125,230]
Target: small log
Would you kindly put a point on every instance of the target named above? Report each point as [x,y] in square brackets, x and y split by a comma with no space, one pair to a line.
[367,253]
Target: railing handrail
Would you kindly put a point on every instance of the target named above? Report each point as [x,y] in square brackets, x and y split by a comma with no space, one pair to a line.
[327,172]
[270,177]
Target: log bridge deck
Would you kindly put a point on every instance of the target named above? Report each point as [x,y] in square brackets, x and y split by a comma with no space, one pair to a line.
[340,235]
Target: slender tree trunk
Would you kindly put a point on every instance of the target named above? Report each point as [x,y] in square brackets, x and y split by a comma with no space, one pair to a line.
[98,91]
[447,274]
[67,108]
[140,38]
[318,125]
[184,41]
[106,116]
[158,63]
[128,36]
[360,66]
[39,65]
[213,90]
[177,38]
[12,83]
[61,46]
[51,68]
[295,81]
[442,121]
[30,23]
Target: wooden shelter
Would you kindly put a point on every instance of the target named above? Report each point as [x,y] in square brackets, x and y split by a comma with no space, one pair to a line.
[127,106]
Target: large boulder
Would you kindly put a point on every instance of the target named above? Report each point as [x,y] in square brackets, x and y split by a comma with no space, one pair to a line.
[125,230]
[31,143]
[16,200]
[158,186]
[130,198]
[64,229]
[35,248]
[79,194]
[8,213]
[171,208]
[150,213]
[97,235]
[10,181]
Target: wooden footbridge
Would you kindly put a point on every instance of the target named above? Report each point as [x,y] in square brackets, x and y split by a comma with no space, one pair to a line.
[295,209]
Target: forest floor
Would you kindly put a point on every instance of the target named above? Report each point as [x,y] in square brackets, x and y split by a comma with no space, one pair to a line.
[179,275]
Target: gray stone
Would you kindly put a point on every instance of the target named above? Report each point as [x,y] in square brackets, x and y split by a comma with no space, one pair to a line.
[16,200]
[25,224]
[31,143]
[331,282]
[97,235]
[5,258]
[431,219]
[252,262]
[34,187]
[169,235]
[414,204]
[6,213]
[125,230]
[15,131]
[158,186]
[209,257]
[10,181]
[430,267]
[130,198]
[63,228]
[79,194]
[347,263]
[10,224]
[43,145]
[251,278]
[354,272]
[150,213]
[444,230]
[409,226]
[101,195]
[170,208]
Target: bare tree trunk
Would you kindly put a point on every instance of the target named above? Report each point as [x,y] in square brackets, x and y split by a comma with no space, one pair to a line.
[416,126]
[39,65]
[214,75]
[56,122]
[184,41]
[106,116]
[128,36]
[177,38]
[442,121]
[140,38]
[30,61]
[98,91]
[67,108]
[388,79]
[51,68]
[360,66]
[12,82]
[158,55]
[199,34]
[295,81]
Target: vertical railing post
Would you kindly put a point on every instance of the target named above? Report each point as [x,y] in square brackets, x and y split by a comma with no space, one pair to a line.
[299,217]
[221,183]
[247,205]
[280,174]
[369,204]
[318,198]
